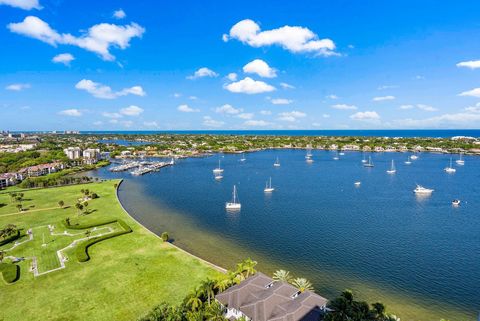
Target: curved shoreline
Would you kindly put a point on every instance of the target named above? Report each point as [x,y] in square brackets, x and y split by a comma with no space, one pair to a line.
[216,267]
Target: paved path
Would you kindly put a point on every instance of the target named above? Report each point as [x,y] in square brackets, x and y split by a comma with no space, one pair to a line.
[31,211]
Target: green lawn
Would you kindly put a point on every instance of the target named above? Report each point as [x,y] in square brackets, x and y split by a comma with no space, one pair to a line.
[125,277]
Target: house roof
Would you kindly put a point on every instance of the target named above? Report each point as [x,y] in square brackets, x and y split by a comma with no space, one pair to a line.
[263,299]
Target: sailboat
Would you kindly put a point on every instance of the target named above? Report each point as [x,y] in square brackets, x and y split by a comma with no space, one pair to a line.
[268,186]
[369,164]
[277,163]
[218,176]
[309,153]
[364,160]
[218,170]
[460,161]
[450,169]
[392,169]
[414,157]
[243,158]
[408,161]
[234,204]
[336,156]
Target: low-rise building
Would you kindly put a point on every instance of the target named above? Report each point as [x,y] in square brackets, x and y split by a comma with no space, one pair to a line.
[39,170]
[260,298]
[8,179]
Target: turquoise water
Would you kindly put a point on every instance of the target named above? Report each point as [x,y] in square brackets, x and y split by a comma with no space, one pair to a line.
[318,222]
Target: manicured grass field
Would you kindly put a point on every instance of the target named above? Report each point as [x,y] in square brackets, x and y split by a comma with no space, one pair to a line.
[125,276]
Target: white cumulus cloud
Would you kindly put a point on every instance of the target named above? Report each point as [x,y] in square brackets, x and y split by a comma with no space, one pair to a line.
[245,115]
[281,101]
[71,112]
[131,111]
[64,58]
[17,87]
[284,85]
[228,109]
[472,64]
[210,122]
[99,38]
[187,109]
[249,86]
[22,4]
[383,98]
[475,92]
[261,68]
[291,116]
[105,92]
[232,76]
[344,107]
[295,39]
[256,123]
[366,116]
[119,14]
[203,72]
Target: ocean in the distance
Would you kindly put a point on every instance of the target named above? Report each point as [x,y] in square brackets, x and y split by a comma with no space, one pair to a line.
[443,133]
[421,256]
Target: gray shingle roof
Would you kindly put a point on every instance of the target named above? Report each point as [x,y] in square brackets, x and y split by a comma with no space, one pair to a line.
[262,299]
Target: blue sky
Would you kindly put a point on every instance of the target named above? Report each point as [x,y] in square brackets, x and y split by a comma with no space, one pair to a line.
[123,65]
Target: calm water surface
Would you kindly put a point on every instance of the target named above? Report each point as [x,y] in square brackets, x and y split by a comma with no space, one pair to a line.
[419,255]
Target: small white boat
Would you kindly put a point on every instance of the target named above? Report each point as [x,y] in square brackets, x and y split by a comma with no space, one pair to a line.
[414,157]
[243,158]
[218,177]
[460,161]
[336,156]
[309,153]
[456,202]
[422,190]
[392,169]
[268,186]
[408,161]
[341,153]
[358,183]
[364,160]
[234,204]
[309,160]
[450,169]
[370,163]
[219,169]
[277,163]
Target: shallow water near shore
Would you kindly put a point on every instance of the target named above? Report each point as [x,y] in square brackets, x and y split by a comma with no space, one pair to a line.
[420,256]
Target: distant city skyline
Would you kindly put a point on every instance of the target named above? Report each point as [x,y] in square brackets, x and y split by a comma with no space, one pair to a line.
[186,65]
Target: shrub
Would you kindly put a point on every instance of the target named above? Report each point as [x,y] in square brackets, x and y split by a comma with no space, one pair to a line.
[10,272]
[11,238]
[82,249]
[87,225]
[164,236]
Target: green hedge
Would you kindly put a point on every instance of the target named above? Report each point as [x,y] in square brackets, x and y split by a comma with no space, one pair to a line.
[11,238]
[10,272]
[82,249]
[88,225]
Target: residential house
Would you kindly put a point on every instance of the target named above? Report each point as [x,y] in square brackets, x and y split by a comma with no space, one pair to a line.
[39,170]
[260,298]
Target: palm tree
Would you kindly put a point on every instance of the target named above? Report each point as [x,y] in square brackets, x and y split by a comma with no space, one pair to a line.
[282,275]
[61,204]
[207,287]
[214,312]
[67,220]
[85,205]
[379,310]
[223,284]
[194,300]
[249,267]
[302,284]
[194,316]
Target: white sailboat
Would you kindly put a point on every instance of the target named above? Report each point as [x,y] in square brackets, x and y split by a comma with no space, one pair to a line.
[243,158]
[309,153]
[392,169]
[277,163]
[460,161]
[358,183]
[364,160]
[450,169]
[336,156]
[414,157]
[268,186]
[341,153]
[234,204]
[370,163]
[219,169]
[218,176]
[408,161]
